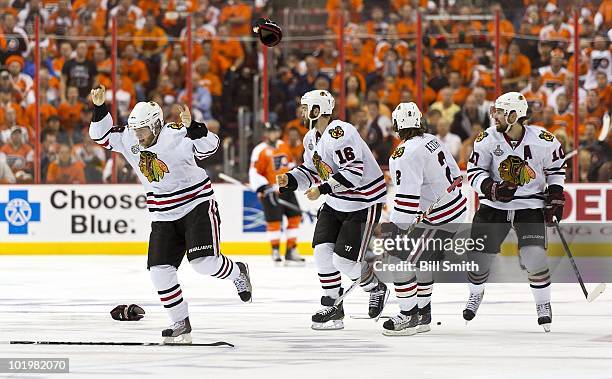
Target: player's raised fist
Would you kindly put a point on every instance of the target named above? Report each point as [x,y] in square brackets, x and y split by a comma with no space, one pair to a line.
[184,115]
[313,193]
[97,95]
[282,180]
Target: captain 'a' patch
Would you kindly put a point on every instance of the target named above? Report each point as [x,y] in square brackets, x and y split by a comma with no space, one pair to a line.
[152,167]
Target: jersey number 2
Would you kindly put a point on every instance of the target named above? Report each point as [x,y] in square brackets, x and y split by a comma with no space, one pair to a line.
[442,160]
[348,155]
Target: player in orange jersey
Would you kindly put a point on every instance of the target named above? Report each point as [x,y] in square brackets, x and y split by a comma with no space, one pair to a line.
[268,159]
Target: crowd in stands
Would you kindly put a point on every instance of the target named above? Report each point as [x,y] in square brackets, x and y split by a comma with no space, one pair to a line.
[537,59]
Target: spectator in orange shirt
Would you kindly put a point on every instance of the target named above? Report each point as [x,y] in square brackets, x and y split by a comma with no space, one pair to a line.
[133,13]
[459,91]
[19,156]
[65,170]
[535,95]
[553,76]
[557,30]
[11,122]
[604,89]
[125,30]
[389,94]
[136,70]
[505,27]
[363,60]
[92,8]
[103,65]
[354,93]
[229,49]
[464,31]
[406,26]
[22,83]
[328,58]
[516,68]
[65,53]
[206,78]
[237,15]
[60,21]
[293,139]
[70,110]
[594,109]
[46,110]
[377,24]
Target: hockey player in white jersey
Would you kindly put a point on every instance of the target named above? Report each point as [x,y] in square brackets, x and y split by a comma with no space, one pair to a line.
[518,171]
[180,200]
[338,163]
[422,169]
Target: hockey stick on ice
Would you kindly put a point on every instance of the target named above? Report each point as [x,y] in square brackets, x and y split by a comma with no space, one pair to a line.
[600,287]
[458,180]
[94,343]
[282,202]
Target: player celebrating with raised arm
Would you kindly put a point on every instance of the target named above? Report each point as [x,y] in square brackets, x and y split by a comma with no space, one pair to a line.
[518,171]
[179,198]
[422,170]
[268,159]
[339,164]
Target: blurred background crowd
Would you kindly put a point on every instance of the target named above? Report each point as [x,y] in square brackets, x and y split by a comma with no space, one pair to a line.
[536,58]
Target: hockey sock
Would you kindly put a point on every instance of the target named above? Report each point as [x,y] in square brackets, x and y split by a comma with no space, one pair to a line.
[274,233]
[216,266]
[352,269]
[165,281]
[368,280]
[406,293]
[329,276]
[477,281]
[536,263]
[424,287]
[293,223]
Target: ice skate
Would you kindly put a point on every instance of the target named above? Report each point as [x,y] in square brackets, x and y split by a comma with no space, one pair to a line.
[243,282]
[472,306]
[329,317]
[401,325]
[293,257]
[276,257]
[544,315]
[378,299]
[424,319]
[179,333]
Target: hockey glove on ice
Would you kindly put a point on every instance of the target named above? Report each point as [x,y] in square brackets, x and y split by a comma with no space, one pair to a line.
[555,200]
[124,312]
[197,130]
[498,191]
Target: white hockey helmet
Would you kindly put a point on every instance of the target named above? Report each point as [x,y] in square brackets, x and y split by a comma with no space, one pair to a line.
[146,114]
[407,116]
[512,101]
[323,99]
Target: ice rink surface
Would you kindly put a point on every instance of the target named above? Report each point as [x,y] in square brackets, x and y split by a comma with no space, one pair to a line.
[69,298]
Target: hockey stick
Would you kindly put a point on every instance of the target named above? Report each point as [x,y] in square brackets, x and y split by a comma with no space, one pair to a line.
[600,287]
[458,180]
[94,343]
[282,202]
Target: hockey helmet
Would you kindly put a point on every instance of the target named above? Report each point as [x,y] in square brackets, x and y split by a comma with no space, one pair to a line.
[146,114]
[271,127]
[270,34]
[321,98]
[512,101]
[407,116]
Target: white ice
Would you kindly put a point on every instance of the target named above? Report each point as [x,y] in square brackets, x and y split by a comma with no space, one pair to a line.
[69,298]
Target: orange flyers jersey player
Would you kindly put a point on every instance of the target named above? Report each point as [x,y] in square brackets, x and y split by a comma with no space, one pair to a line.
[267,161]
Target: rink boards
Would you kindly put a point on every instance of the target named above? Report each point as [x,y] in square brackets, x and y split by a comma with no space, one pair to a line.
[113,219]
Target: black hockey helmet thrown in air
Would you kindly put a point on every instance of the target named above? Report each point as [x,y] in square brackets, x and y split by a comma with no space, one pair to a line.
[270,34]
[271,127]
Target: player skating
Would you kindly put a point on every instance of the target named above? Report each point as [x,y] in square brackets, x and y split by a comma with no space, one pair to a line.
[268,159]
[422,169]
[339,164]
[180,200]
[518,171]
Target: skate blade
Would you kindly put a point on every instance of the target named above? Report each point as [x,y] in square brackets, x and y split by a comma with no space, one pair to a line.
[423,328]
[399,333]
[546,327]
[183,339]
[330,325]
[383,307]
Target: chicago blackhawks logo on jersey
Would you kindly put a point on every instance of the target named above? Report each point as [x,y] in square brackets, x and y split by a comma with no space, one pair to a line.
[481,136]
[546,136]
[323,168]
[398,152]
[336,132]
[175,125]
[515,170]
[152,167]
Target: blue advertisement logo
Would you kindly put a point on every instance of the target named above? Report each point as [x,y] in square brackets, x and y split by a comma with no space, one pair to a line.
[19,212]
[253,220]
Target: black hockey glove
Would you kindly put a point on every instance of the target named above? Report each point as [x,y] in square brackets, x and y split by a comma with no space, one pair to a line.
[388,230]
[291,186]
[269,193]
[197,130]
[498,191]
[124,312]
[555,200]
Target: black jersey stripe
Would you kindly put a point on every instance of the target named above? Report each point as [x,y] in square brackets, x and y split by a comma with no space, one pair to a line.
[406,211]
[165,209]
[411,197]
[342,180]
[359,199]
[450,203]
[179,192]
[454,216]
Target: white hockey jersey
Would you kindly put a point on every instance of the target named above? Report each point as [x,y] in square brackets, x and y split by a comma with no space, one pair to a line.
[532,163]
[175,184]
[422,169]
[342,155]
